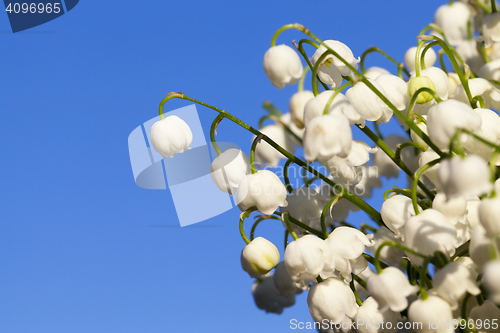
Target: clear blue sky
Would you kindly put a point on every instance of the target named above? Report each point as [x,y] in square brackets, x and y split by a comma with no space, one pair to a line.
[82,248]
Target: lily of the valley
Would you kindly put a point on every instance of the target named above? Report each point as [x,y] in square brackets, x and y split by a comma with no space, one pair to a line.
[259,257]
[282,66]
[171,135]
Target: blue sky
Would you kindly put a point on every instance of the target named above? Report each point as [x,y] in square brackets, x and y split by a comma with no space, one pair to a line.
[82,248]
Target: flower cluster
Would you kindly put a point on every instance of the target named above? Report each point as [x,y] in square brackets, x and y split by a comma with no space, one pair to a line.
[432,252]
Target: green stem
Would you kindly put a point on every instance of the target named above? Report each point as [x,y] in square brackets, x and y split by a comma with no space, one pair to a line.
[256,223]
[285,217]
[493,6]
[376,49]
[423,278]
[415,183]
[414,98]
[213,132]
[301,50]
[301,81]
[330,203]
[280,30]
[479,99]
[393,244]
[271,109]
[286,237]
[281,123]
[377,130]
[289,187]
[373,213]
[301,225]
[243,216]
[315,70]
[404,192]
[360,281]
[353,288]
[451,2]
[365,227]
[379,142]
[252,152]
[335,93]
[418,63]
[441,61]
[409,144]
[372,261]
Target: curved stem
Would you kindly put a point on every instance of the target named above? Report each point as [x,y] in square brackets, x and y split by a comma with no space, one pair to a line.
[372,261]
[493,6]
[330,203]
[252,152]
[301,50]
[281,123]
[423,279]
[415,183]
[301,81]
[271,109]
[301,225]
[418,63]
[373,213]
[405,192]
[243,216]
[280,30]
[256,223]
[289,187]
[335,93]
[414,98]
[479,99]
[376,49]
[360,281]
[365,227]
[285,218]
[408,144]
[315,70]
[393,244]
[441,61]
[213,132]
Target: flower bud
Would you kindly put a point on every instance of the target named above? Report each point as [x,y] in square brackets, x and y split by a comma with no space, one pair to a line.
[421,82]
[229,168]
[331,299]
[171,135]
[367,103]
[390,289]
[262,189]
[259,257]
[282,66]
[395,211]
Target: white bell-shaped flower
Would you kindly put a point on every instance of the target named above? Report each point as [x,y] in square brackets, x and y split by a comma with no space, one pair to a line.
[479,87]
[428,232]
[265,153]
[308,257]
[389,254]
[367,103]
[453,281]
[327,136]
[229,168]
[433,314]
[297,104]
[489,215]
[490,70]
[454,82]
[430,58]
[479,246]
[394,89]
[364,275]
[445,118]
[282,66]
[491,29]
[490,281]
[304,204]
[490,131]
[395,211]
[369,318]
[390,289]
[453,208]
[369,181]
[259,257]
[468,176]
[331,299]
[339,106]
[268,298]
[347,171]
[432,172]
[453,20]
[347,245]
[472,215]
[171,135]
[331,70]
[283,282]
[373,72]
[262,189]
[487,312]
